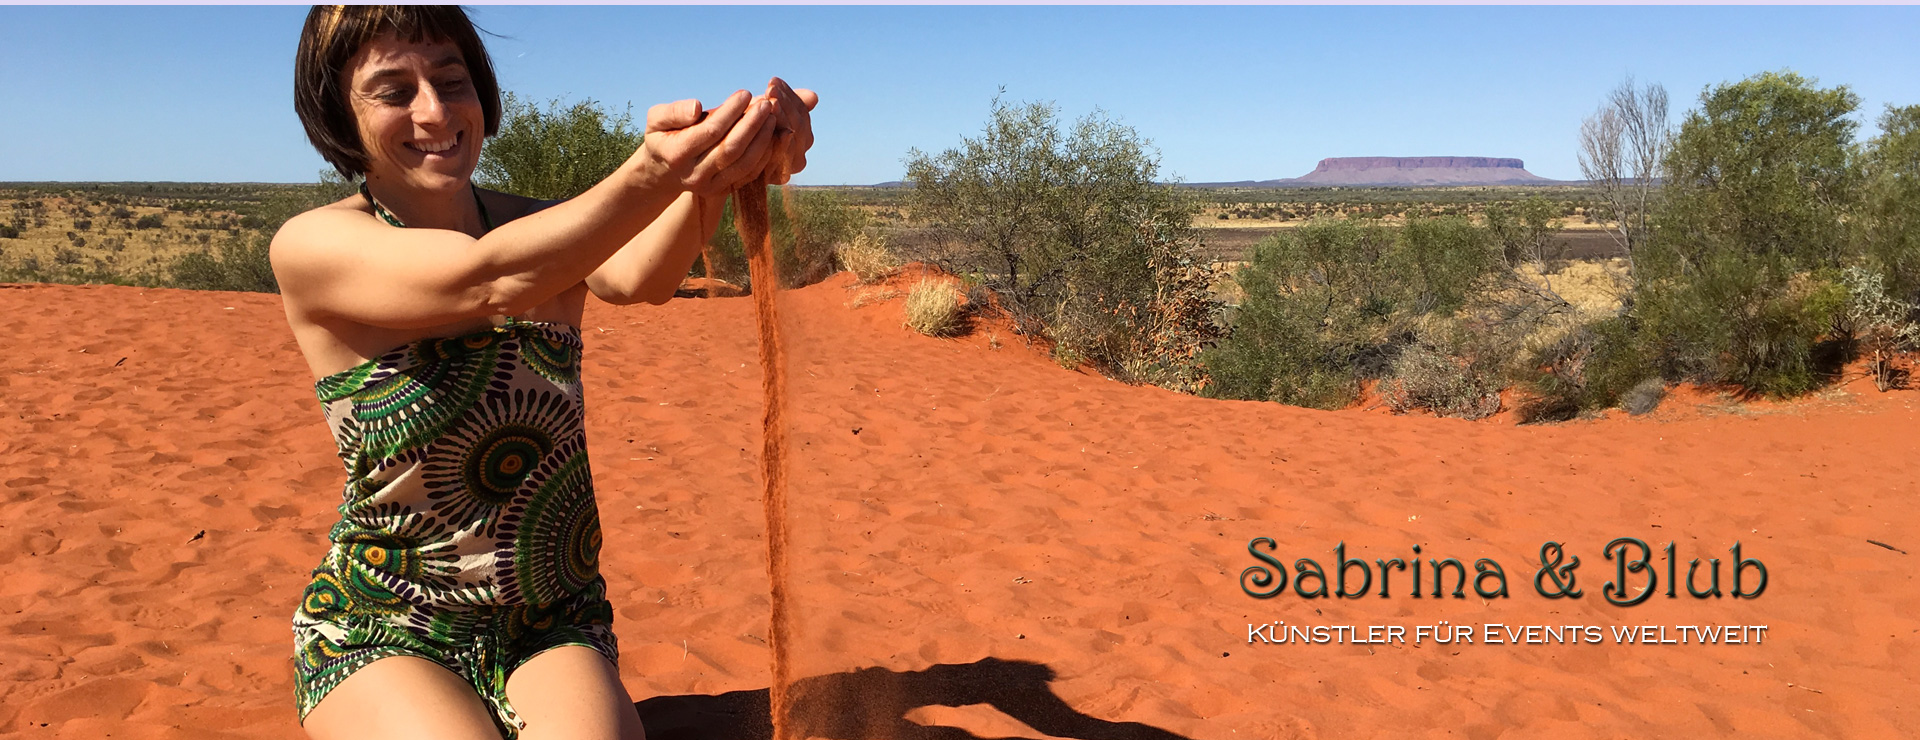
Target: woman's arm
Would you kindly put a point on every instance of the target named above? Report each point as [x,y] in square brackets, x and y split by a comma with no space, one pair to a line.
[649,267]
[339,262]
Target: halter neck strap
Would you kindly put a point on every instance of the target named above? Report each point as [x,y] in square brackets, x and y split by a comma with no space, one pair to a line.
[486,220]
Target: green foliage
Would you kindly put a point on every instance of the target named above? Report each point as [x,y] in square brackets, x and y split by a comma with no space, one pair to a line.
[1073,233]
[1763,178]
[557,152]
[1334,302]
[1881,324]
[242,263]
[1592,367]
[1889,223]
[1765,166]
[1524,231]
[805,237]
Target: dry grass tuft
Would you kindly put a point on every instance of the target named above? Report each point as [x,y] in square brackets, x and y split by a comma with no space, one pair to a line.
[933,308]
[868,257]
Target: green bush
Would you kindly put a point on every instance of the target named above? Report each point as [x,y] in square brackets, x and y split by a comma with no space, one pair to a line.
[1316,305]
[805,237]
[1336,302]
[1889,223]
[1075,236]
[557,152]
[1739,284]
[1589,368]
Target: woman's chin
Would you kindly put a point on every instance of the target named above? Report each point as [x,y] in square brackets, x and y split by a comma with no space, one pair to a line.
[437,178]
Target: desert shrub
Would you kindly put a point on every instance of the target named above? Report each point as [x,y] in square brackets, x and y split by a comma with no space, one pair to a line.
[83,224]
[1889,224]
[810,233]
[1441,373]
[1439,263]
[1075,236]
[1313,309]
[933,308]
[150,221]
[557,152]
[1525,232]
[1591,367]
[1739,284]
[806,237]
[1740,319]
[1644,397]
[9,231]
[868,257]
[1883,325]
[1336,302]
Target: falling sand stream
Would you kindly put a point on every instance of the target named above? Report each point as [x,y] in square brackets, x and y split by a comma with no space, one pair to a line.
[750,218]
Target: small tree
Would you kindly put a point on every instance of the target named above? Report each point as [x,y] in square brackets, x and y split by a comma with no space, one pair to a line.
[555,153]
[1738,287]
[1889,222]
[1072,231]
[1622,148]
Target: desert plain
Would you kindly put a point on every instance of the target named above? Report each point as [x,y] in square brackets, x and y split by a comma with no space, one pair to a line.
[985,544]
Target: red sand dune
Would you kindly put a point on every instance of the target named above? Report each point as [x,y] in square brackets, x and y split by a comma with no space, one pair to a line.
[1007,547]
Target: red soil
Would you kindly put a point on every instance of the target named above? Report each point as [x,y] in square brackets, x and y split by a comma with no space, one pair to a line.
[1068,546]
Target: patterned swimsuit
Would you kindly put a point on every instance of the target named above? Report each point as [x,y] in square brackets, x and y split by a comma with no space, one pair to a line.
[469,535]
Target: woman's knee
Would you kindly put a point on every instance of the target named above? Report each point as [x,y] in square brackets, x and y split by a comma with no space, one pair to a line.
[573,693]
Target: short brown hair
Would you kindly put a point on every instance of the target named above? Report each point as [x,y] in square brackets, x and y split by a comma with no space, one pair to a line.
[334,33]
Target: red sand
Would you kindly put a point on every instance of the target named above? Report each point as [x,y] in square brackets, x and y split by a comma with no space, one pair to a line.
[953,503]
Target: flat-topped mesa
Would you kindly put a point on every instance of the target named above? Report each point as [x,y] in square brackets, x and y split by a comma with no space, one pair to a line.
[1417,171]
[1367,163]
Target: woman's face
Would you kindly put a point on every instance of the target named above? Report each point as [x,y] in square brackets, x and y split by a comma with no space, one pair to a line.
[419,117]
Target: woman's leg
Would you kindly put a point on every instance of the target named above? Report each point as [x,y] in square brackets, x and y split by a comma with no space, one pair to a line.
[572,693]
[401,697]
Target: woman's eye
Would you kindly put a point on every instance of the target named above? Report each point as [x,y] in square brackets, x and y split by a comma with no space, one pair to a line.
[395,96]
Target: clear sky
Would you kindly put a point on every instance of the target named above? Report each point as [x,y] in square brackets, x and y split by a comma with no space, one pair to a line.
[1225,93]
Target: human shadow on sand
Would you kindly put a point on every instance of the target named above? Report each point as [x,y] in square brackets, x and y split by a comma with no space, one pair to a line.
[872,704]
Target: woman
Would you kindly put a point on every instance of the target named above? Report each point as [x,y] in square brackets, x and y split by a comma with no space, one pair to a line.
[461,596]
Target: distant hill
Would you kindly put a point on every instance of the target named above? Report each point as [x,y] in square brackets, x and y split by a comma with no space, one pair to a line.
[1404,172]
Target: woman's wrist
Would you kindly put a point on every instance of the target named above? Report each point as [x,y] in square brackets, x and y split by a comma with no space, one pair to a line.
[645,172]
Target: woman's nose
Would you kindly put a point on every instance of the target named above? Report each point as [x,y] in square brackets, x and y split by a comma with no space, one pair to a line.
[428,108]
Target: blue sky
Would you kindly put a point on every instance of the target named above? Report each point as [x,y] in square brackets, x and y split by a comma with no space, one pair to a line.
[1225,93]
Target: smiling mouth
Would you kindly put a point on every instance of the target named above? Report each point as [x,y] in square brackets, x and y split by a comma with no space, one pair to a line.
[438,147]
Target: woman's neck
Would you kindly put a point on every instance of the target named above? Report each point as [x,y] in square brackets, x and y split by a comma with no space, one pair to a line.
[453,209]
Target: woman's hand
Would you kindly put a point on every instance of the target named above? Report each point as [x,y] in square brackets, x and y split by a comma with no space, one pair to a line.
[710,153]
[793,134]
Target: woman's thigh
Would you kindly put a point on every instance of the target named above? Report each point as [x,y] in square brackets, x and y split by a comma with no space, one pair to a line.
[401,697]
[572,693]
